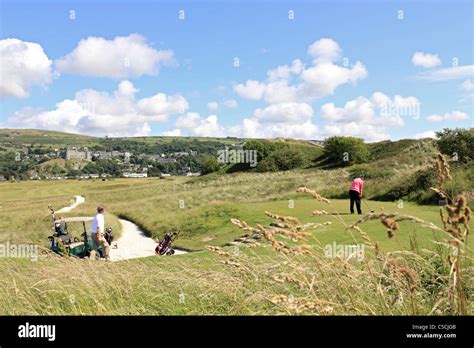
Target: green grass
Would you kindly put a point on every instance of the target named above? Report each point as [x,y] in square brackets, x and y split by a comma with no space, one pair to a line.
[51,138]
[44,137]
[209,204]
[247,280]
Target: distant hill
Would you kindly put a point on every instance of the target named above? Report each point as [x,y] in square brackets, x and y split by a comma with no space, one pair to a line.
[47,137]
[43,137]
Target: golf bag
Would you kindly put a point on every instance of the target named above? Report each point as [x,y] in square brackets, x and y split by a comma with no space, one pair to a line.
[164,247]
[109,235]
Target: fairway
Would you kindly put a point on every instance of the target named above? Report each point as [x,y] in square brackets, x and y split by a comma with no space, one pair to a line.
[207,207]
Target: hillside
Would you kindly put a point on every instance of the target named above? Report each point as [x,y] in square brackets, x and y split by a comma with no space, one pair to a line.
[56,138]
[231,271]
[35,153]
[43,138]
[395,169]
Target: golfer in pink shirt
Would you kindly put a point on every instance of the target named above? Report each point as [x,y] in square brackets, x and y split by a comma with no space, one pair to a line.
[355,193]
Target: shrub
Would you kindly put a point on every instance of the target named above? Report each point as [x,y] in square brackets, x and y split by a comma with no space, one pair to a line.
[267,165]
[368,172]
[283,159]
[209,164]
[421,180]
[457,142]
[343,151]
[264,147]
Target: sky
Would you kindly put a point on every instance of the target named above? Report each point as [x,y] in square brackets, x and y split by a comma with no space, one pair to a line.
[296,69]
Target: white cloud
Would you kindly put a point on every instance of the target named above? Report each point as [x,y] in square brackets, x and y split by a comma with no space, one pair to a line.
[250,90]
[279,92]
[368,118]
[231,103]
[194,124]
[323,79]
[368,132]
[285,71]
[359,109]
[284,113]
[209,127]
[325,50]
[318,80]
[378,110]
[188,121]
[449,116]
[248,128]
[468,92]
[160,106]
[287,120]
[457,72]
[172,133]
[467,86]
[213,106]
[428,134]
[253,128]
[126,89]
[100,113]
[305,130]
[23,65]
[426,60]
[121,57]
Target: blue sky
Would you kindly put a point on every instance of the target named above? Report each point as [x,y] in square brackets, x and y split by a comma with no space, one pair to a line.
[354,61]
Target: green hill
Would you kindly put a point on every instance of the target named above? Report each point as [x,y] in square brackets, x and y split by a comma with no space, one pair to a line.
[411,264]
[43,137]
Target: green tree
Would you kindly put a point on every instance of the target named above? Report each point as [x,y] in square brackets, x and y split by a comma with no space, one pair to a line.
[283,159]
[457,143]
[208,164]
[343,151]
[264,147]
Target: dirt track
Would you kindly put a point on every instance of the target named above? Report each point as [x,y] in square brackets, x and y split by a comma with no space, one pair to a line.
[78,200]
[132,244]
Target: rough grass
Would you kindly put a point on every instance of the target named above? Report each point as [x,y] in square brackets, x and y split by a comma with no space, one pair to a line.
[231,281]
[406,274]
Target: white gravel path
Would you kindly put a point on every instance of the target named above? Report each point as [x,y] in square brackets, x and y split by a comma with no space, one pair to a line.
[78,200]
[133,242]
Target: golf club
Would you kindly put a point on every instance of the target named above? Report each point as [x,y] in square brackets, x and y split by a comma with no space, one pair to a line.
[367,206]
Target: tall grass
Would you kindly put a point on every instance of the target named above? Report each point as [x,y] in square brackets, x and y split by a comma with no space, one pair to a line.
[286,271]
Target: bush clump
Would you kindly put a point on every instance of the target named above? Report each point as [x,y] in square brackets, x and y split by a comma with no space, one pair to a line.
[368,172]
[458,144]
[345,151]
[283,159]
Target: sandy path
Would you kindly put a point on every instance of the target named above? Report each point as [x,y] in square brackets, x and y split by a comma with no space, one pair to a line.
[79,200]
[133,243]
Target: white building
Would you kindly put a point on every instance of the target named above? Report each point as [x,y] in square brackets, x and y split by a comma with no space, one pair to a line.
[135,175]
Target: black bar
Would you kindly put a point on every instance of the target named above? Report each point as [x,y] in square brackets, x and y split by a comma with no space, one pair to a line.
[143,330]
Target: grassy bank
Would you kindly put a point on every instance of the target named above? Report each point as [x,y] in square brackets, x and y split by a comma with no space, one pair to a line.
[286,272]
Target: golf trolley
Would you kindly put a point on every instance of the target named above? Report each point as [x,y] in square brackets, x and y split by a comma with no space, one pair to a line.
[164,247]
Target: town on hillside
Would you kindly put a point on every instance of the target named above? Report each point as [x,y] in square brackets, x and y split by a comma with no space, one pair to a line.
[80,162]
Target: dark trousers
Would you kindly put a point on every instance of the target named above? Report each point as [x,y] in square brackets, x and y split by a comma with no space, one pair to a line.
[354,196]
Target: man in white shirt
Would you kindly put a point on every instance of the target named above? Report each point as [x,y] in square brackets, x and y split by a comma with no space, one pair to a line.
[98,230]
